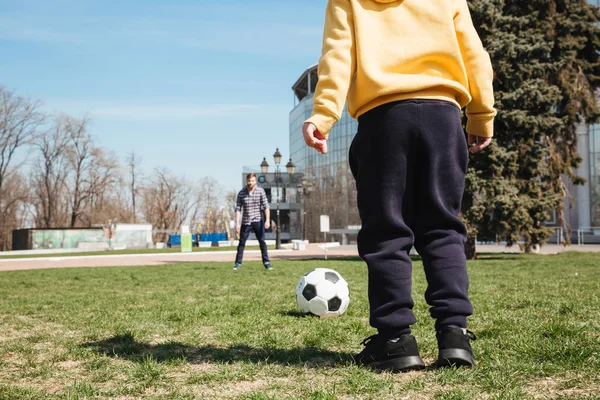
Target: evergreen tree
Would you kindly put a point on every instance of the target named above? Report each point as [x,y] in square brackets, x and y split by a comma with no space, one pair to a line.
[547,69]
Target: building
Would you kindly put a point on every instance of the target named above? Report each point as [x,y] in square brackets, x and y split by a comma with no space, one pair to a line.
[584,215]
[334,192]
[594,168]
[592,137]
[329,185]
[119,236]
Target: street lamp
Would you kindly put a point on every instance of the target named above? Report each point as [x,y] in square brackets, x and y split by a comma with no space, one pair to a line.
[290,167]
[277,158]
[264,166]
[305,187]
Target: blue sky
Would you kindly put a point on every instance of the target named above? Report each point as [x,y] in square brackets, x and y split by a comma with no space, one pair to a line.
[200,87]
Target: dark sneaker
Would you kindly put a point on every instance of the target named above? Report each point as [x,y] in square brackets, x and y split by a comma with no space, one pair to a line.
[454,347]
[393,355]
[268,266]
[237,266]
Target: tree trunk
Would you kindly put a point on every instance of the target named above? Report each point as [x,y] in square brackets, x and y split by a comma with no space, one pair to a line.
[470,247]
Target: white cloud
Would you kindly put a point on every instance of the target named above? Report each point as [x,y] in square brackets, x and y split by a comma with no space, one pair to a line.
[142,110]
[171,112]
[166,112]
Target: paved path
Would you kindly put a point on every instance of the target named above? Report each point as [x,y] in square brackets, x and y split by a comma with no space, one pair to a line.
[312,251]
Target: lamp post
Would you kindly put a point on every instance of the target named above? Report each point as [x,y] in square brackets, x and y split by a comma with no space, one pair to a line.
[290,167]
[306,187]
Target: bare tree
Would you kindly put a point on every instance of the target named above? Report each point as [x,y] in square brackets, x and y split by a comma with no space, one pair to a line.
[134,176]
[79,155]
[167,201]
[50,175]
[101,182]
[230,204]
[20,120]
[212,213]
[209,203]
[215,220]
[121,198]
[13,197]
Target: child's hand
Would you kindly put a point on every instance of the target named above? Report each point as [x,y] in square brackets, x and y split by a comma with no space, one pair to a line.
[314,138]
[477,143]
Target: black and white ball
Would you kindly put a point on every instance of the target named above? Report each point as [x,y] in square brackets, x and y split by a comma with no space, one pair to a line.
[323,292]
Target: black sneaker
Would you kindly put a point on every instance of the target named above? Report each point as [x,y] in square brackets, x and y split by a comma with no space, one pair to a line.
[454,347]
[393,355]
[268,266]
[237,266]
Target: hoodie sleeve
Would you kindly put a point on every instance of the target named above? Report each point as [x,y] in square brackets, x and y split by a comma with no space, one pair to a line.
[336,66]
[480,111]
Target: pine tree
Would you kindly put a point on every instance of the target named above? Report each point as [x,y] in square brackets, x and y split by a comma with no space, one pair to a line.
[546,62]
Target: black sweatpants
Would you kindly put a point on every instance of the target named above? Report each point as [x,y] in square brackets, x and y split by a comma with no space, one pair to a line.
[409,159]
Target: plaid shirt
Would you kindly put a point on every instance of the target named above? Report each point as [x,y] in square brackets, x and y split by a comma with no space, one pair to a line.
[252,203]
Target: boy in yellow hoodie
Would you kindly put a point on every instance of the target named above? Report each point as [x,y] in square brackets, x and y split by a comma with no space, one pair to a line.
[406,68]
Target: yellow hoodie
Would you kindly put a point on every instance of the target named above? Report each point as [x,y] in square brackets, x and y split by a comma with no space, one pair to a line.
[379,51]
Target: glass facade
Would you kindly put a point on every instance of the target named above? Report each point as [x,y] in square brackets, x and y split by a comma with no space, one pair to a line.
[594,154]
[333,189]
[594,132]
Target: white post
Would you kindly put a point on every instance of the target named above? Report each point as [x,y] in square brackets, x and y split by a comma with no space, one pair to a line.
[324,222]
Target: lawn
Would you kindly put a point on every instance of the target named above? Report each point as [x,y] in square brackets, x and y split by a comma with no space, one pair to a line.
[127,251]
[202,331]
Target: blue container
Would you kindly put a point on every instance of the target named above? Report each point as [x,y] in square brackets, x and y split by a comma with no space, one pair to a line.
[213,237]
[175,240]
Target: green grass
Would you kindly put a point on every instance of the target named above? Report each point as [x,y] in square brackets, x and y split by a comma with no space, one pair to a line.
[127,251]
[201,331]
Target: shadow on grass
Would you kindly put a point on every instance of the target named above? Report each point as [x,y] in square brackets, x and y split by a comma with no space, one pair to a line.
[497,256]
[125,346]
[351,258]
[416,257]
[334,258]
[205,264]
[294,313]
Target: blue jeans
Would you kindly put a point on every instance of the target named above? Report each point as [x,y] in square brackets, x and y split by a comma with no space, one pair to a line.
[259,231]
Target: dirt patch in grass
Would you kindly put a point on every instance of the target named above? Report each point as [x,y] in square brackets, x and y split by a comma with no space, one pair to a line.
[31,327]
[51,387]
[202,367]
[69,365]
[8,333]
[554,387]
[232,391]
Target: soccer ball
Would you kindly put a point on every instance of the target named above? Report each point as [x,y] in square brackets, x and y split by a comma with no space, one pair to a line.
[322,292]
